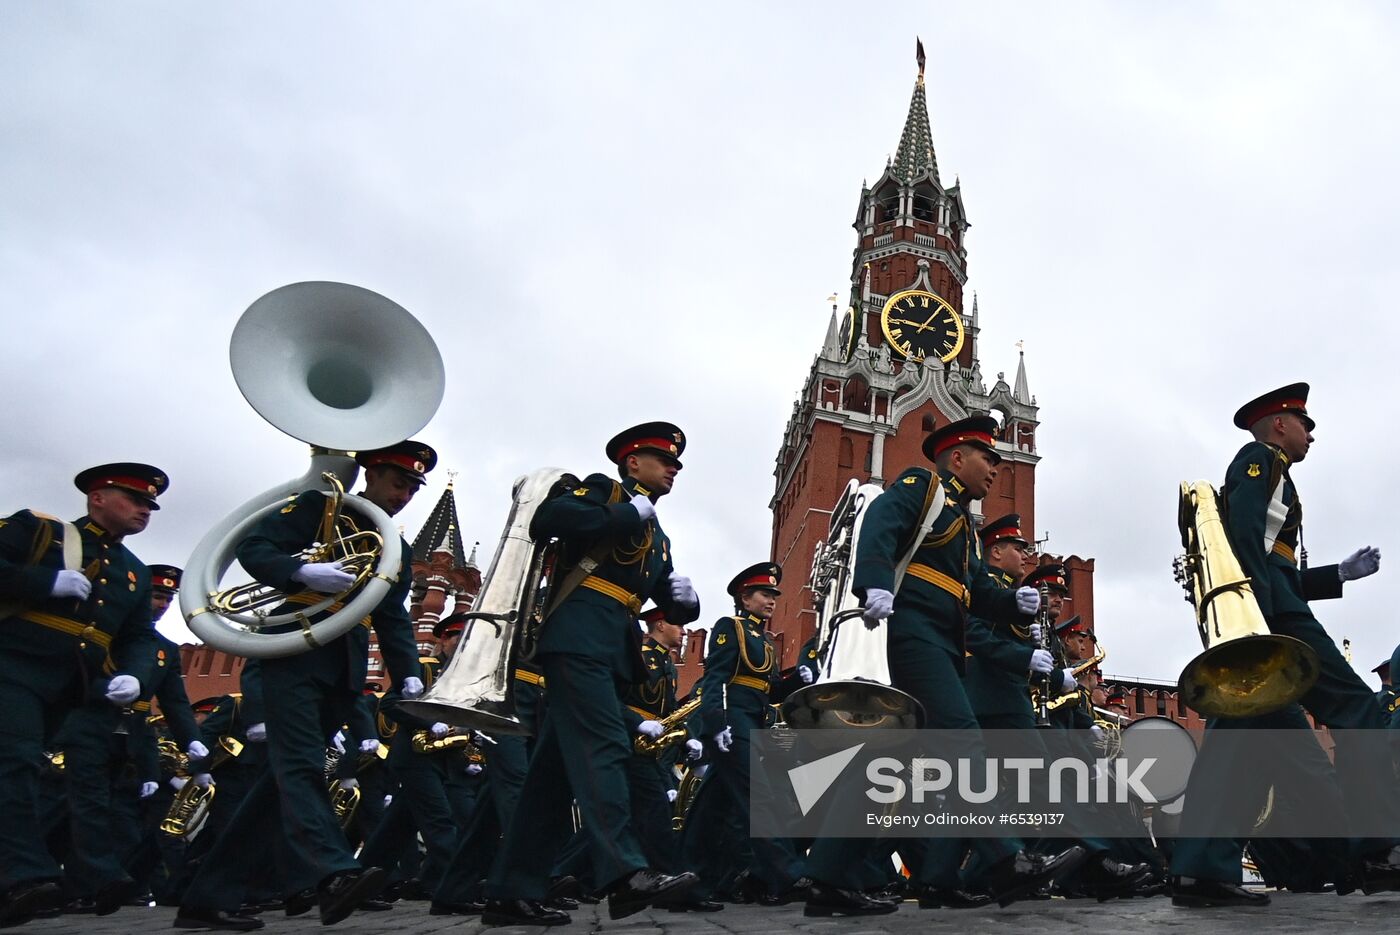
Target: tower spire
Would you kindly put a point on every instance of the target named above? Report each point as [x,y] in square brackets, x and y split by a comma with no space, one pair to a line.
[1022,391]
[915,154]
[439,533]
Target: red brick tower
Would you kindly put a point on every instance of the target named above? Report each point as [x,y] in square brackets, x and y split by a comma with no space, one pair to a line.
[901,359]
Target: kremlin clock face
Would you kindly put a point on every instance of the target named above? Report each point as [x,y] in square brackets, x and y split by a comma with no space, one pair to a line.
[851,335]
[922,326]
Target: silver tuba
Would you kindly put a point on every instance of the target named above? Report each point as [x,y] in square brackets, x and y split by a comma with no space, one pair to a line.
[344,369]
[476,688]
[853,687]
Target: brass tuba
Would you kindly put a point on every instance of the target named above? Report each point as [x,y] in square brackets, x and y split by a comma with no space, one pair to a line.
[1245,670]
[344,369]
[476,690]
[853,687]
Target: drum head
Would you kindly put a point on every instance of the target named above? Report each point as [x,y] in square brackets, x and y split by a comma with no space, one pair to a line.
[1171,747]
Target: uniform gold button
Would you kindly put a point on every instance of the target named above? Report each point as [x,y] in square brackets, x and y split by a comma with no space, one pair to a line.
[101,580]
[106,561]
[100,602]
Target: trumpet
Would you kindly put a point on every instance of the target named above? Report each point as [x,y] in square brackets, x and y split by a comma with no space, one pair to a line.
[673,731]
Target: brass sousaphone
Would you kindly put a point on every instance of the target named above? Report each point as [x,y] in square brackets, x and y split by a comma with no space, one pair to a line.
[344,369]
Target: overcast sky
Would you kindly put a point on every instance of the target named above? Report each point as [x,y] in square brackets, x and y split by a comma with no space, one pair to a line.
[610,213]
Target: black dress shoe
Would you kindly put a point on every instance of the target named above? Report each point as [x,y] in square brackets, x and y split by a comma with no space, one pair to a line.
[192,917]
[645,887]
[1024,871]
[824,900]
[375,904]
[80,905]
[1190,893]
[520,912]
[1105,878]
[112,896]
[688,903]
[298,903]
[1379,873]
[931,897]
[443,908]
[564,886]
[562,903]
[343,892]
[412,890]
[24,901]
[891,892]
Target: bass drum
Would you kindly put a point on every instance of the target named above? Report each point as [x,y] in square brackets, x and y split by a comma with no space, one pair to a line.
[1167,742]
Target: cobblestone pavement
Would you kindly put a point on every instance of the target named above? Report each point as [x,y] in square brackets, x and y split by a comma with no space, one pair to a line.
[1289,913]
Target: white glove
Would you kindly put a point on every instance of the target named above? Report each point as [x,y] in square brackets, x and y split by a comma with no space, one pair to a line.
[369,746]
[724,740]
[257,733]
[326,577]
[1027,600]
[440,730]
[473,769]
[1097,731]
[671,794]
[338,741]
[1069,683]
[123,689]
[178,782]
[1042,662]
[1035,633]
[878,605]
[412,687]
[805,674]
[348,784]
[197,750]
[644,507]
[148,789]
[203,780]
[682,592]
[387,800]
[71,584]
[651,729]
[1359,564]
[693,749]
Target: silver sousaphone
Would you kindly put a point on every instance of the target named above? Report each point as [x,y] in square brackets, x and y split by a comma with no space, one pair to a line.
[853,687]
[344,369]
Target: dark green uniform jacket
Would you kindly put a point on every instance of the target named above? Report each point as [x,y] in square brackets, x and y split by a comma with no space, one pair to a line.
[740,673]
[1279,585]
[599,619]
[58,638]
[951,554]
[998,671]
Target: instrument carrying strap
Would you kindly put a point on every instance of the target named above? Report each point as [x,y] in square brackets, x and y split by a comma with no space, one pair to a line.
[1276,515]
[585,567]
[933,506]
[70,542]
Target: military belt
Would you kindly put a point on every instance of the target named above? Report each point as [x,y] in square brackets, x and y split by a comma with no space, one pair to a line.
[748,681]
[944,582]
[532,678]
[624,597]
[83,631]
[307,598]
[1283,549]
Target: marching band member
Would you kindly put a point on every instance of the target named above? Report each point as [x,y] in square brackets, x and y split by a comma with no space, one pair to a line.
[588,648]
[741,671]
[1263,521]
[946,580]
[309,696]
[75,629]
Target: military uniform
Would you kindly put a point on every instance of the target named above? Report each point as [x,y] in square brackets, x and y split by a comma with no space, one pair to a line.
[589,652]
[945,581]
[56,653]
[309,696]
[741,672]
[1263,521]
